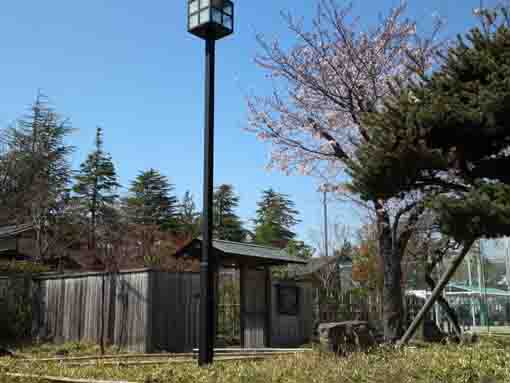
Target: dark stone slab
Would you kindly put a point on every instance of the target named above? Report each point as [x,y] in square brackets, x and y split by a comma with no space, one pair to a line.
[344,337]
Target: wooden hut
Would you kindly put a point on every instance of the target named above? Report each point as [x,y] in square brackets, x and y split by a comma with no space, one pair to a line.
[147,310]
[14,241]
[266,320]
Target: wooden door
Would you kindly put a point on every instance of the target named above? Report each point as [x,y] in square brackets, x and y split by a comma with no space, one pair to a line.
[254,308]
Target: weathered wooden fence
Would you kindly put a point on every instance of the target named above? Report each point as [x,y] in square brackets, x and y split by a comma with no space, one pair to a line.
[147,310]
[140,310]
[351,306]
[366,307]
[175,312]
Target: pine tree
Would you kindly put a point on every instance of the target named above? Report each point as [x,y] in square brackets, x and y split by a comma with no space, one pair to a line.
[227,225]
[276,217]
[151,201]
[35,174]
[96,186]
[299,249]
[441,145]
[188,217]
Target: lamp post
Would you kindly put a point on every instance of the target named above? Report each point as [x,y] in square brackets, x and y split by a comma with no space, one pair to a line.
[210,20]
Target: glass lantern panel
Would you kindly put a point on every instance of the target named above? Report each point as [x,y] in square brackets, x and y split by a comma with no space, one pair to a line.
[204,4]
[228,9]
[204,16]
[227,21]
[216,16]
[193,6]
[193,21]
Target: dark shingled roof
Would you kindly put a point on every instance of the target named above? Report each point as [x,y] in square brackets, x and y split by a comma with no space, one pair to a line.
[14,230]
[244,251]
[315,264]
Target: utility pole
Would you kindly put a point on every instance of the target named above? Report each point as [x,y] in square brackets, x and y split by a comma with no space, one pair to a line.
[325,205]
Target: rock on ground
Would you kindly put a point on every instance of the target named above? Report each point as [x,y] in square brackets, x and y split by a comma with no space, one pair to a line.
[344,337]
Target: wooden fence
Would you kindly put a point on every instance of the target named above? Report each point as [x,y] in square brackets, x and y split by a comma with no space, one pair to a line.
[351,306]
[79,307]
[139,310]
[145,311]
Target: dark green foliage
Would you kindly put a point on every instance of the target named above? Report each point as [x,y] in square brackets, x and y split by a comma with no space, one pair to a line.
[35,177]
[299,249]
[396,159]
[442,143]
[447,138]
[34,166]
[275,219]
[188,217]
[96,186]
[227,225]
[482,212]
[150,201]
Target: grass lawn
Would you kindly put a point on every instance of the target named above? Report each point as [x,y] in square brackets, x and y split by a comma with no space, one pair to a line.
[486,362]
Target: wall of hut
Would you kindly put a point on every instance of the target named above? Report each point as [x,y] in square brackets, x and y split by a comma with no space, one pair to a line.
[292,330]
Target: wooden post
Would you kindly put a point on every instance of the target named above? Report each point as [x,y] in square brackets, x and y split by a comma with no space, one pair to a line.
[216,302]
[437,291]
[269,307]
[242,303]
[150,341]
[317,311]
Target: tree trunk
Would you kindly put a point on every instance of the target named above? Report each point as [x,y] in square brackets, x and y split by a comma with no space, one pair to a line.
[92,234]
[393,310]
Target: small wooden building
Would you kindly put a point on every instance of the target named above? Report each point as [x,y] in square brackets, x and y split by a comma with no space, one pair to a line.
[266,320]
[15,242]
[147,310]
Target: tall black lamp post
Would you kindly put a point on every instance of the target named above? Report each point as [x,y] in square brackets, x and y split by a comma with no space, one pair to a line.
[210,20]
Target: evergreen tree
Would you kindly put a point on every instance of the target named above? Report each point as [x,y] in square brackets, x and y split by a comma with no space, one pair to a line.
[442,144]
[96,186]
[35,174]
[227,225]
[188,217]
[150,201]
[299,249]
[276,217]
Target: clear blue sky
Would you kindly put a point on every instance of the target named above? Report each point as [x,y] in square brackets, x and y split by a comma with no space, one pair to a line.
[132,68]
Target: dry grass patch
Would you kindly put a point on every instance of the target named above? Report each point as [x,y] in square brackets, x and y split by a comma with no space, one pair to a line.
[488,361]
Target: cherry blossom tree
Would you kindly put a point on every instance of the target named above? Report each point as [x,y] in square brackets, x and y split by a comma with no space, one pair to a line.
[334,73]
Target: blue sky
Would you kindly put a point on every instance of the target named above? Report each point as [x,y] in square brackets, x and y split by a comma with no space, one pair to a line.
[132,68]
